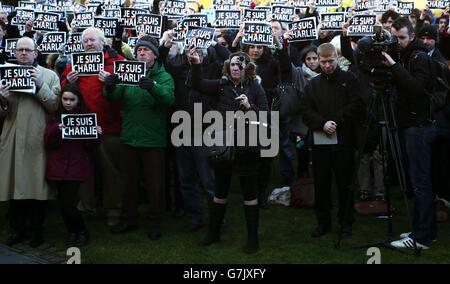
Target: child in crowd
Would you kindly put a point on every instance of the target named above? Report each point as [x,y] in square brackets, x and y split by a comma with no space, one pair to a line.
[68,165]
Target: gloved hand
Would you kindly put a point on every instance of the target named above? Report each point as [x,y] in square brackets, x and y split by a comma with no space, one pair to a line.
[110,82]
[146,83]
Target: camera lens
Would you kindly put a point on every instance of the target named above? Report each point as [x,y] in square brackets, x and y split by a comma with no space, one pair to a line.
[241,58]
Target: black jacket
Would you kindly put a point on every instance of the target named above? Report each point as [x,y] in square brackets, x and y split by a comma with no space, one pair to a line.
[411,76]
[334,97]
[226,92]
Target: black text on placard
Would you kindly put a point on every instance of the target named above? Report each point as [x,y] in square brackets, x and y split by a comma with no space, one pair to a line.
[365,5]
[174,8]
[129,72]
[332,21]
[107,25]
[328,3]
[439,4]
[45,21]
[52,42]
[303,30]
[129,19]
[228,19]
[179,32]
[18,78]
[361,25]
[150,25]
[87,63]
[254,15]
[83,20]
[405,8]
[257,33]
[202,17]
[224,4]
[79,126]
[199,37]
[73,44]
[282,13]
[22,16]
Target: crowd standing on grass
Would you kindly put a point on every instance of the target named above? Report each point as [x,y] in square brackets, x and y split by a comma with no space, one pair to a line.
[115,81]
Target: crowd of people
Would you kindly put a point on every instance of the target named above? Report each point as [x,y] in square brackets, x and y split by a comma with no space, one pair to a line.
[134,149]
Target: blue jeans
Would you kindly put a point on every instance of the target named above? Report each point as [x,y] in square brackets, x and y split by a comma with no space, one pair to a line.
[417,142]
[192,165]
[286,152]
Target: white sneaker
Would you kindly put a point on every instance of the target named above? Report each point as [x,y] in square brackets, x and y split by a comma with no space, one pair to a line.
[406,235]
[407,243]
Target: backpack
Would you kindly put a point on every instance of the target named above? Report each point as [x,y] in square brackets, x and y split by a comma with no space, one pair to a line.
[438,88]
[288,94]
[302,193]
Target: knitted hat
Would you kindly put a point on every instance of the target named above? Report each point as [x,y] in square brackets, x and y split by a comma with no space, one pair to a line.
[146,41]
[429,31]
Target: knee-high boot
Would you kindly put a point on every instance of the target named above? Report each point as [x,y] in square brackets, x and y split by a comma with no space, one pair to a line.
[252,219]
[216,215]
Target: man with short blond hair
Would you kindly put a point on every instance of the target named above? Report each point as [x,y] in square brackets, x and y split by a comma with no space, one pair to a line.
[331,106]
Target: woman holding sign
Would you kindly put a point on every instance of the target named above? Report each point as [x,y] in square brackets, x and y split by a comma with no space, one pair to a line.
[274,69]
[237,90]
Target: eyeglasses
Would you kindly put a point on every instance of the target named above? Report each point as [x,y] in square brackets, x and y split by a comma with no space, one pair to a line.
[26,50]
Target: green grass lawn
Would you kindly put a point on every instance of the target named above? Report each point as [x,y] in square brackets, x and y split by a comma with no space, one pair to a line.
[284,237]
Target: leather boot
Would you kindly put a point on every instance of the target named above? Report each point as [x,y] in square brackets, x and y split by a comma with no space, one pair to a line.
[252,219]
[216,216]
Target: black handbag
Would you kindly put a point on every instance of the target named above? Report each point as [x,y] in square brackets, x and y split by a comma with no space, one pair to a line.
[221,155]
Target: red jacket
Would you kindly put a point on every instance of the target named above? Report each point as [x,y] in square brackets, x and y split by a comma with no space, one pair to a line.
[67,160]
[108,113]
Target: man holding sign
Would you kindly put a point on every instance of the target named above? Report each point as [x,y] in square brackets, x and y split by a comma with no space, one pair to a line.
[22,152]
[108,115]
[143,136]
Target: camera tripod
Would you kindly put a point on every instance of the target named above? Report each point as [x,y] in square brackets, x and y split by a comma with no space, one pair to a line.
[385,120]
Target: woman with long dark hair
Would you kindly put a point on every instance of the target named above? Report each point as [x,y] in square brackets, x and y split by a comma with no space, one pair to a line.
[237,90]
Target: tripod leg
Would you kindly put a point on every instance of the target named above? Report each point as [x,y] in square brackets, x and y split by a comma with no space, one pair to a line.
[362,144]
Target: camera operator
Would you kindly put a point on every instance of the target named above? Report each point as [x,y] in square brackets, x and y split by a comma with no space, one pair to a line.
[411,75]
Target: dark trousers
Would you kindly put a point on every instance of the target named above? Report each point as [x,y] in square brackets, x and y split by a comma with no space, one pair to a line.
[264,176]
[341,163]
[192,168]
[173,195]
[68,196]
[153,163]
[418,141]
[28,214]
[440,168]
[302,161]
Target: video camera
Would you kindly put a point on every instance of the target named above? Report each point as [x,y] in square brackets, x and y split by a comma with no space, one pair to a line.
[370,48]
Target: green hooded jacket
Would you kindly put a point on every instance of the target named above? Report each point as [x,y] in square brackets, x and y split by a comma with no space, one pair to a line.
[144,116]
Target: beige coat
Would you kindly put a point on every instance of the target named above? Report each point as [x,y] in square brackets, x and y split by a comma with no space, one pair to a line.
[22,153]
